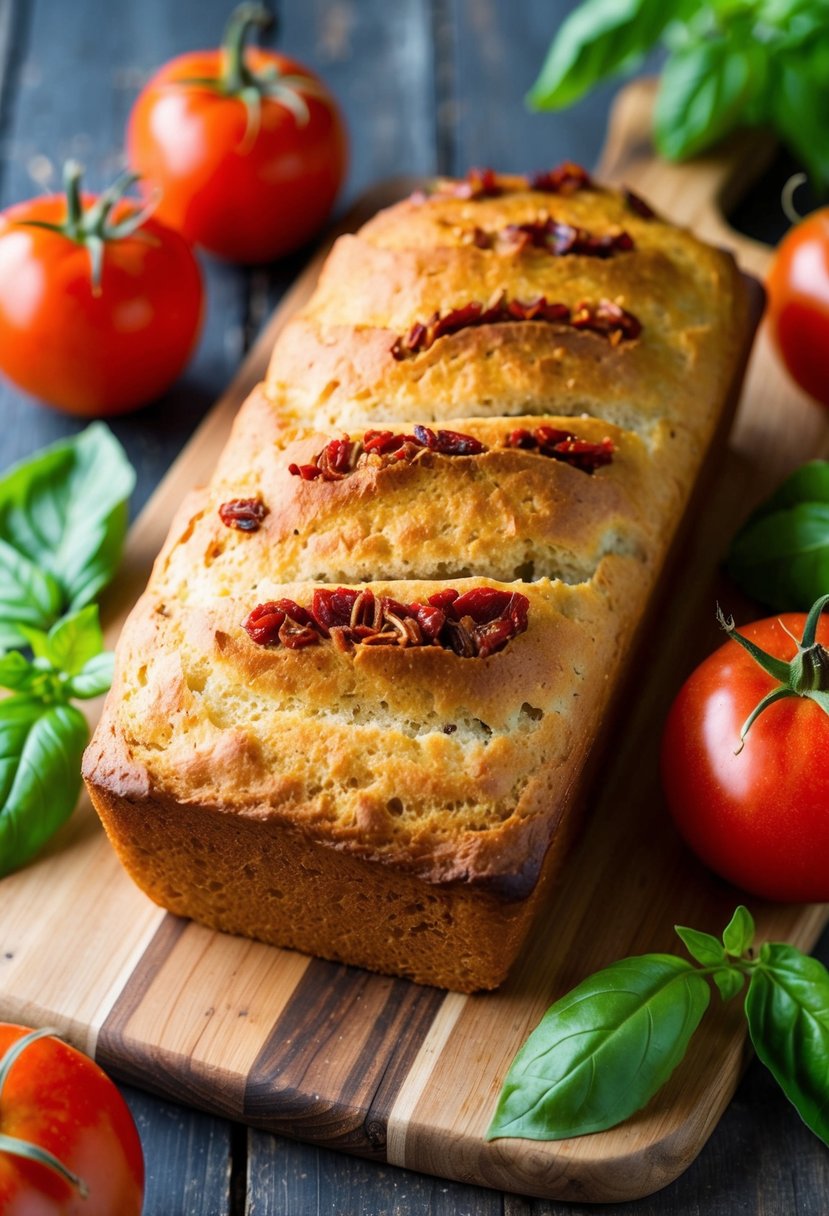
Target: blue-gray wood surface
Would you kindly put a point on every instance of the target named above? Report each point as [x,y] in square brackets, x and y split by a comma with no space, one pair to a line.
[426,85]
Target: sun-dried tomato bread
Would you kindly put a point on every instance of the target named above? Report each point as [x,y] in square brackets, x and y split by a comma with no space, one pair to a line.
[351,710]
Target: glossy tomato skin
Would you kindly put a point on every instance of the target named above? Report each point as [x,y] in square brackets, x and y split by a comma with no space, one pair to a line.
[58,1098]
[247,193]
[759,818]
[798,303]
[86,352]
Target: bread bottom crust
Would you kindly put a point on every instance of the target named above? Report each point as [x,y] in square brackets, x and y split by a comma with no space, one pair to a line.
[264,880]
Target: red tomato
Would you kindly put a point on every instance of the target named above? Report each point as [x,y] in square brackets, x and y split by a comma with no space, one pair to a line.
[249,180]
[798,303]
[56,1098]
[85,350]
[759,818]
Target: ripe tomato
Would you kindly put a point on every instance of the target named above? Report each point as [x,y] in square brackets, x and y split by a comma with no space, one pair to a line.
[246,147]
[759,818]
[98,313]
[57,1099]
[798,303]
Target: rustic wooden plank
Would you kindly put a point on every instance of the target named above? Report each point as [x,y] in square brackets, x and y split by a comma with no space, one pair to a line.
[303,1180]
[187,1156]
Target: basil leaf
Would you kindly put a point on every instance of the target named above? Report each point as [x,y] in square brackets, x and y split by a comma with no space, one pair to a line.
[599,38]
[781,554]
[797,104]
[94,678]
[704,92]
[738,934]
[40,758]
[603,1050]
[701,946]
[787,1007]
[16,672]
[74,640]
[729,981]
[28,596]
[66,509]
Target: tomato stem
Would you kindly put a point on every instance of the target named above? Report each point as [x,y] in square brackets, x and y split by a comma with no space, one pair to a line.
[806,675]
[236,75]
[25,1148]
[92,226]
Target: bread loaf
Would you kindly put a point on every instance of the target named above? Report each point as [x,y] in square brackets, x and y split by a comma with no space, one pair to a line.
[499,398]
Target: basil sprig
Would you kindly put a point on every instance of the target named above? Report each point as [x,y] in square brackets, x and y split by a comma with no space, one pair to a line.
[780,556]
[601,1052]
[730,63]
[63,517]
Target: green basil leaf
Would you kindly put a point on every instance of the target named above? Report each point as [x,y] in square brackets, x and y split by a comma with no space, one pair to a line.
[598,39]
[95,677]
[74,640]
[797,103]
[603,1050]
[809,483]
[40,759]
[16,672]
[705,92]
[701,946]
[738,934]
[66,509]
[782,558]
[28,596]
[787,1006]
[729,981]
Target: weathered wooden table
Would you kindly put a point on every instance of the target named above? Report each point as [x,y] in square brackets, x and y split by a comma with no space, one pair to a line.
[426,86]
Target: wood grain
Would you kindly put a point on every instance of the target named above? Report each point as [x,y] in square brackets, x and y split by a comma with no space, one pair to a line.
[379,1066]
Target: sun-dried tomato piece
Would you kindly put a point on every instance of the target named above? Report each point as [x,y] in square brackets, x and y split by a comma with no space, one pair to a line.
[448,443]
[566,178]
[430,619]
[582,454]
[333,607]
[444,600]
[559,239]
[308,472]
[477,623]
[483,604]
[638,205]
[492,636]
[606,317]
[521,438]
[263,623]
[547,437]
[296,637]
[243,514]
[478,183]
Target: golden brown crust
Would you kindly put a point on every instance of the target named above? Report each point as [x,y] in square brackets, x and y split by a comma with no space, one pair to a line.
[427,780]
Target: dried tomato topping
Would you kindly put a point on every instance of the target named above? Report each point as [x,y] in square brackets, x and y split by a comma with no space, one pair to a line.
[604,318]
[377,449]
[554,237]
[566,178]
[243,514]
[476,624]
[638,205]
[564,446]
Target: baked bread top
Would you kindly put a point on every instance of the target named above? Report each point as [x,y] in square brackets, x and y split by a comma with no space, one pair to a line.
[535,457]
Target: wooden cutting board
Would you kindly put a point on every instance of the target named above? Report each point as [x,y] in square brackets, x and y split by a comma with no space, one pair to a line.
[379,1066]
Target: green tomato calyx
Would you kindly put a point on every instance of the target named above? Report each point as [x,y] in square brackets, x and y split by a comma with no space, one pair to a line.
[238,79]
[806,675]
[92,226]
